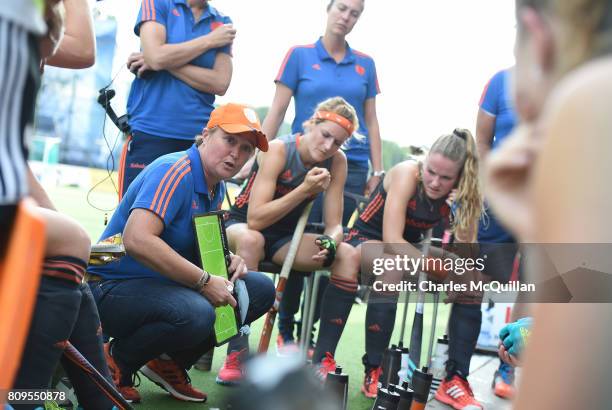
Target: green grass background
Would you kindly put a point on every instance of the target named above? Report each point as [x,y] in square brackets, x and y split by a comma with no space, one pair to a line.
[74,202]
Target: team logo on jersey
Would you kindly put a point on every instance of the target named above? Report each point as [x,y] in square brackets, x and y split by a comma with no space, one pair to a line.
[316,67]
[360,70]
[194,204]
[176,12]
[412,204]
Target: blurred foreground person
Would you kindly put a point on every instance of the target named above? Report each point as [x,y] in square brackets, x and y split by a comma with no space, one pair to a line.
[546,193]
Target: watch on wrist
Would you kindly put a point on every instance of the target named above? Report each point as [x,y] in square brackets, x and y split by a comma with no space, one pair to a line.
[378,173]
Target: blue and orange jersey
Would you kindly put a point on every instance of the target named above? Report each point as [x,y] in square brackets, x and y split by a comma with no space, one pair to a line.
[496,100]
[161,104]
[173,188]
[422,214]
[314,76]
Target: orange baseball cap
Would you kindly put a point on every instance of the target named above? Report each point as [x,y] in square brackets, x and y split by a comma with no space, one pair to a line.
[238,119]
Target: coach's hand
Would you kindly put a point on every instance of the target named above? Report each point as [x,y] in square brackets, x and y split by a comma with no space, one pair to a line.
[237,268]
[217,293]
[317,180]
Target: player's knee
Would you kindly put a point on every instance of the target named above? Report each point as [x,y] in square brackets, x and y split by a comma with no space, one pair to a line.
[347,262]
[251,241]
[70,239]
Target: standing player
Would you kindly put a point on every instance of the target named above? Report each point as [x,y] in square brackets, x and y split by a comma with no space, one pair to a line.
[184,63]
[496,120]
[309,74]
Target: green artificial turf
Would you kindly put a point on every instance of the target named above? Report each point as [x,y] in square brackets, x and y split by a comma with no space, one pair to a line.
[72,201]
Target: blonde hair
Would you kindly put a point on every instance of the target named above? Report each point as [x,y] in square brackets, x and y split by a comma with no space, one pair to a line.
[460,147]
[199,139]
[337,105]
[585,30]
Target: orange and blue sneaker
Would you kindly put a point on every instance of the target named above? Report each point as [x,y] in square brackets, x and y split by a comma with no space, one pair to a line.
[231,373]
[503,381]
[457,393]
[171,377]
[327,365]
[127,390]
[370,382]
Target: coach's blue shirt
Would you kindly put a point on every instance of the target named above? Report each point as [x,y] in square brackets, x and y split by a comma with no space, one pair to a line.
[497,101]
[314,76]
[163,105]
[173,187]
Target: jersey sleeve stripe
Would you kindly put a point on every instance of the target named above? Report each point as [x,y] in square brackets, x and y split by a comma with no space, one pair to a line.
[176,183]
[373,211]
[169,183]
[243,197]
[145,10]
[371,208]
[484,93]
[282,67]
[163,181]
[286,59]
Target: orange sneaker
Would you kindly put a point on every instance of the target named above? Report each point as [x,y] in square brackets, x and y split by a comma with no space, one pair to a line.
[503,382]
[168,375]
[230,373]
[370,382]
[129,392]
[458,394]
[327,365]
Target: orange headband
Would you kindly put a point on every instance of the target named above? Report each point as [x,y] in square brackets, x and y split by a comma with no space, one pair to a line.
[338,119]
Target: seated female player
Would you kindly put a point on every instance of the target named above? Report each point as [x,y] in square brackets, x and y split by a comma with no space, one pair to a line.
[413,198]
[296,168]
[156,302]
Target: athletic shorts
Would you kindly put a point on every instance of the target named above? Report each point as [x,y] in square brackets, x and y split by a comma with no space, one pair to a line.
[274,238]
[355,238]
[19,83]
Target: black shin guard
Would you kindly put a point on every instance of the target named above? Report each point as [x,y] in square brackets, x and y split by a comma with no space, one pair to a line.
[464,327]
[380,319]
[335,309]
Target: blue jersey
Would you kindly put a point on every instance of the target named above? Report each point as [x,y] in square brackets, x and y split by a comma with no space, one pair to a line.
[173,188]
[497,101]
[314,76]
[162,105]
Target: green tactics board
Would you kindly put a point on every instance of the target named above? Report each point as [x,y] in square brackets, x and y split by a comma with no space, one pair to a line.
[212,247]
